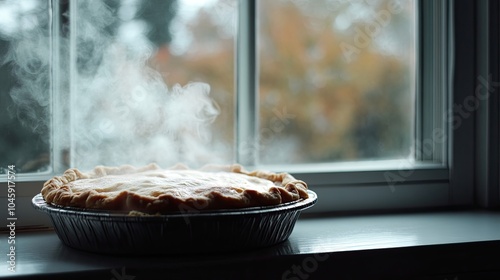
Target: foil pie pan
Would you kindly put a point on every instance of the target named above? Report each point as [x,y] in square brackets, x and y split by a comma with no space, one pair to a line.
[189,231]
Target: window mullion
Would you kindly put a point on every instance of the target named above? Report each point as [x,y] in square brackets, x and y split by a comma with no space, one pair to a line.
[73,73]
[57,101]
[432,82]
[246,84]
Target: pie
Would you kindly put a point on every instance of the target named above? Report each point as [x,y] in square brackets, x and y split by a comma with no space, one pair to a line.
[152,190]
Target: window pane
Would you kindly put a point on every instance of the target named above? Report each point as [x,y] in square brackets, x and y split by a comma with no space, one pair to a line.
[24,86]
[203,50]
[336,80]
[127,59]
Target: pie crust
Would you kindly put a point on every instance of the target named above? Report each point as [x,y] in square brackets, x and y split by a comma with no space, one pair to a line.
[151,189]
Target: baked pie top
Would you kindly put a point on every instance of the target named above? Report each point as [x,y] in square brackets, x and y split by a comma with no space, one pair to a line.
[151,190]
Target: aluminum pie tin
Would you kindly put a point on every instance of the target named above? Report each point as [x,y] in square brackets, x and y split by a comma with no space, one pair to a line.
[183,232]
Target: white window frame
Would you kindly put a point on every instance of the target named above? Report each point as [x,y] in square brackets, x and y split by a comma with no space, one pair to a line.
[445,177]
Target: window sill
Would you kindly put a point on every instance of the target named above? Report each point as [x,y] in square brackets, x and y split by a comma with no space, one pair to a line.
[433,245]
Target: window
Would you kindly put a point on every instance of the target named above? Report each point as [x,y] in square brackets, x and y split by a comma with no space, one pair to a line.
[336,80]
[140,85]
[24,115]
[357,98]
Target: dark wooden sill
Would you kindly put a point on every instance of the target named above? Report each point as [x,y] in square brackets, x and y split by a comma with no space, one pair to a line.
[433,245]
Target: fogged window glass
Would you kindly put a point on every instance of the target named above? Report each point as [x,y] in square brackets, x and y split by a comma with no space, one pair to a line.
[24,86]
[336,80]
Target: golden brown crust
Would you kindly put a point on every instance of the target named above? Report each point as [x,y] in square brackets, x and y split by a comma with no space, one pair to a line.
[150,189]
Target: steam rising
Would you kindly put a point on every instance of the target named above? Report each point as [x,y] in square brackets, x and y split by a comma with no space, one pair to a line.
[117,110]
[29,52]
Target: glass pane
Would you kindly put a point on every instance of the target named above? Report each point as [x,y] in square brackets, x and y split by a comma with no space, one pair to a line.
[24,86]
[152,81]
[336,80]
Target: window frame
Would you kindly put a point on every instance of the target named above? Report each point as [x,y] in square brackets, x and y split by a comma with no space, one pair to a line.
[397,184]
[448,178]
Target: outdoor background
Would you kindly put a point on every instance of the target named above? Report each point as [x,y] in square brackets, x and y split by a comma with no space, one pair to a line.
[335,77]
